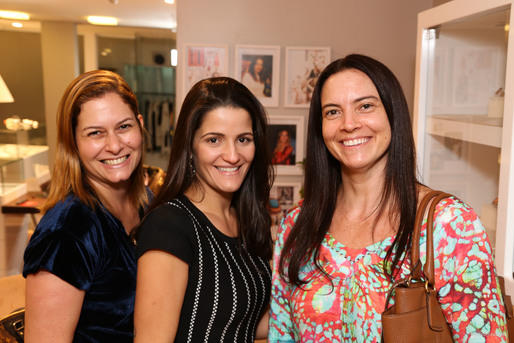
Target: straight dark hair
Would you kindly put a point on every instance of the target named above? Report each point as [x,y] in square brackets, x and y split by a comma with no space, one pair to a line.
[251,200]
[323,175]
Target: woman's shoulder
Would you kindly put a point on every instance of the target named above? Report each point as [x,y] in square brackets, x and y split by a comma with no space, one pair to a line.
[70,220]
[174,209]
[168,227]
[455,219]
[452,208]
[70,207]
[172,215]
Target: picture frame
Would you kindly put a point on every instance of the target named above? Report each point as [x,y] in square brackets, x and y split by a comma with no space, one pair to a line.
[203,61]
[285,194]
[303,66]
[264,83]
[286,143]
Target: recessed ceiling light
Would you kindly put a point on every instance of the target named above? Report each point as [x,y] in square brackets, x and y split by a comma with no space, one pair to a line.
[14,15]
[96,20]
[17,24]
[169,1]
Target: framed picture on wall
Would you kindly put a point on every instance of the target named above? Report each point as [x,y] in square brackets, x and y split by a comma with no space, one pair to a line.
[283,195]
[286,143]
[258,68]
[203,61]
[303,66]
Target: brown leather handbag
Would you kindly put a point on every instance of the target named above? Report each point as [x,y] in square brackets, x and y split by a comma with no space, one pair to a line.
[416,315]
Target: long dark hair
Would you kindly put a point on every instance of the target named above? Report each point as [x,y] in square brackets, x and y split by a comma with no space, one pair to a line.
[250,201]
[323,174]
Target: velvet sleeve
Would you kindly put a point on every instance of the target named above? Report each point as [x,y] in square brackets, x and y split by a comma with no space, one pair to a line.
[167,228]
[67,234]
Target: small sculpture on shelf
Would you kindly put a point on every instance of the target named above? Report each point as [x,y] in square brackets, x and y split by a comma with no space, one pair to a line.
[495,106]
[16,124]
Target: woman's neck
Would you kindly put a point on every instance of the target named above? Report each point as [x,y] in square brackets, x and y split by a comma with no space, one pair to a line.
[361,195]
[120,205]
[217,208]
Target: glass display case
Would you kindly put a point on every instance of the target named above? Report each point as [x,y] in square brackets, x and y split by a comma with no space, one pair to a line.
[463,113]
[22,166]
[20,162]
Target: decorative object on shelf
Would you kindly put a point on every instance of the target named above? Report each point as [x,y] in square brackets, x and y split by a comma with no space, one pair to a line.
[5,94]
[495,106]
[16,124]
[303,66]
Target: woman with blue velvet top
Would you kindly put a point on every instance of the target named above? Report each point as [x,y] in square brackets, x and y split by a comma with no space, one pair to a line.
[80,263]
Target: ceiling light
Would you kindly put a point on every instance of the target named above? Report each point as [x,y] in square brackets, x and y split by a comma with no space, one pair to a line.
[169,1]
[15,24]
[96,20]
[14,15]
[174,57]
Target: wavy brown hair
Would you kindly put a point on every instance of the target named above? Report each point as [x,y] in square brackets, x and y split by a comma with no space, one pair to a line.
[68,175]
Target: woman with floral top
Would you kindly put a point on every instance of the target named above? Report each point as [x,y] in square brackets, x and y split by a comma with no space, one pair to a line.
[339,251]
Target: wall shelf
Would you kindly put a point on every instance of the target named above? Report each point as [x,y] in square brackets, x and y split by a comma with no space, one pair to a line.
[470,128]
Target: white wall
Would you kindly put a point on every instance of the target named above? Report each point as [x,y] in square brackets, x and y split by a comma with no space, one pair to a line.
[385,30]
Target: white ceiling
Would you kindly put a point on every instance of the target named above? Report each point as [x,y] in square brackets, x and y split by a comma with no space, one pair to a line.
[134,13]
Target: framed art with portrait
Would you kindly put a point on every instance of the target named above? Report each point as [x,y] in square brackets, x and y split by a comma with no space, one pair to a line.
[258,68]
[286,143]
[303,66]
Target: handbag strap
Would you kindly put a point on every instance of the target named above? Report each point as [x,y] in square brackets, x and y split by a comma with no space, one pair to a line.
[428,268]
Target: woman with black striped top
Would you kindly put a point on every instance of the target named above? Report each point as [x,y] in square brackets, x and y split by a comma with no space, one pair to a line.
[204,247]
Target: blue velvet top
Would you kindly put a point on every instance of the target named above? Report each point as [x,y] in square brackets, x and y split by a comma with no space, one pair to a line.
[91,251]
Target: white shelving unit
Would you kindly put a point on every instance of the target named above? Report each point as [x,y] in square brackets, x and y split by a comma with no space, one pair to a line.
[464,143]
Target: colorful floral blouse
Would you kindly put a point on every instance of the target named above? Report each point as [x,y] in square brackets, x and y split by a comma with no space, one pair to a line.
[350,311]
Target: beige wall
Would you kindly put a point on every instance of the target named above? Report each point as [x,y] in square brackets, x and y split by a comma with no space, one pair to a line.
[385,30]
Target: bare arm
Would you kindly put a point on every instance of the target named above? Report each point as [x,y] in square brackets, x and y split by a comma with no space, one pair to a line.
[161,287]
[262,326]
[52,308]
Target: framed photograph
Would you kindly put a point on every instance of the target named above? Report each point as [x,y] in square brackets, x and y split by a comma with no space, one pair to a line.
[283,196]
[258,68]
[286,143]
[303,66]
[203,61]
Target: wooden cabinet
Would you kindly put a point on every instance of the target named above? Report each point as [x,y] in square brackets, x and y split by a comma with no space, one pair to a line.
[463,113]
